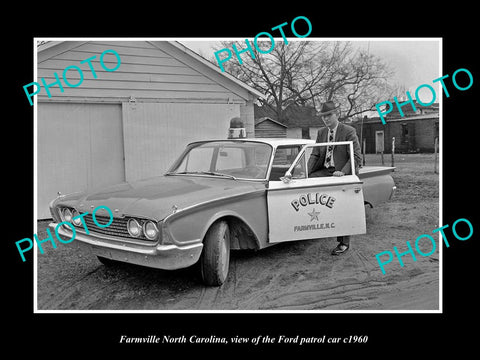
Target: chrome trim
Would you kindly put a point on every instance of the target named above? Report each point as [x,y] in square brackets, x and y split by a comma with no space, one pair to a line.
[145,247]
[252,193]
[62,215]
[117,230]
[155,255]
[138,225]
[216,177]
[145,232]
[115,238]
[75,215]
[316,185]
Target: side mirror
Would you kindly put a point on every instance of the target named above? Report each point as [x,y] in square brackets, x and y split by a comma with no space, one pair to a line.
[287,178]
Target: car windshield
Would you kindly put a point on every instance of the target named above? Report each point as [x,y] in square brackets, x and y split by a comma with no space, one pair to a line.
[230,159]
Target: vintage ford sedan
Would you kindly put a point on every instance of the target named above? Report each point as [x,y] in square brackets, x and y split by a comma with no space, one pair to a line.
[219,196]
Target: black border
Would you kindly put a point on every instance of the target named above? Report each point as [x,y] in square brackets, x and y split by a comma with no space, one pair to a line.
[94,333]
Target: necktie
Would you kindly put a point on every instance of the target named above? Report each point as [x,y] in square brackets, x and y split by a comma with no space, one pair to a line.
[329,155]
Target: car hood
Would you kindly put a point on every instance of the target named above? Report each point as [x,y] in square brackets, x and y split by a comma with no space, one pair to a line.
[156,197]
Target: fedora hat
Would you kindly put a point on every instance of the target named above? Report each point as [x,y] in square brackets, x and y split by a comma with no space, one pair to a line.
[327,108]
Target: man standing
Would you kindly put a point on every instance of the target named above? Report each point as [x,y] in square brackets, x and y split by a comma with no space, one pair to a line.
[334,160]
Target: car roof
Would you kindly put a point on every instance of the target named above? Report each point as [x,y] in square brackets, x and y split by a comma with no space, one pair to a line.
[271,141]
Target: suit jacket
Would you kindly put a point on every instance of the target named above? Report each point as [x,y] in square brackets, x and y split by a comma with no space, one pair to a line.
[341,153]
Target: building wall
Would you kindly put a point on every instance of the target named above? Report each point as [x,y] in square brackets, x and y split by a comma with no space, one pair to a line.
[426,131]
[404,133]
[147,71]
[247,117]
[413,135]
[294,133]
[268,129]
[130,123]
[368,135]
[313,131]
[79,147]
[156,133]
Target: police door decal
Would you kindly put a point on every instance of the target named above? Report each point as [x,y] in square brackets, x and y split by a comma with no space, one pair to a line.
[313,199]
[299,212]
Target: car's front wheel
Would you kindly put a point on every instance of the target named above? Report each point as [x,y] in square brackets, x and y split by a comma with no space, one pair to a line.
[215,259]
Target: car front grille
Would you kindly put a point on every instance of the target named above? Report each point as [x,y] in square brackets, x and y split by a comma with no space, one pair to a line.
[117,228]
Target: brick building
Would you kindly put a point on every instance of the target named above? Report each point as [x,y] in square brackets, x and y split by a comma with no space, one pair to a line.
[414,132]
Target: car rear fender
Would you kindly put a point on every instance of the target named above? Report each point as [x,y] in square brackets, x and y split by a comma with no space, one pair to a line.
[378,184]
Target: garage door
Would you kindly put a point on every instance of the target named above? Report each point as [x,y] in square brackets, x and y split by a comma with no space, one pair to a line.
[79,146]
[156,133]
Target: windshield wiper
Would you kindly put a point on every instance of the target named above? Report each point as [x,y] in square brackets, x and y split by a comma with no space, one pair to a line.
[216,174]
[176,173]
[202,172]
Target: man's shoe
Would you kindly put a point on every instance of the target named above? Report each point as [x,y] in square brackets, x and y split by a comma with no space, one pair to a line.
[340,249]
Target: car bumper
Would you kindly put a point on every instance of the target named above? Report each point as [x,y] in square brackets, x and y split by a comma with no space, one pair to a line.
[168,257]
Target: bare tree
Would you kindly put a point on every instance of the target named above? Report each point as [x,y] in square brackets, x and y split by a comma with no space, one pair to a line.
[359,82]
[308,73]
[278,74]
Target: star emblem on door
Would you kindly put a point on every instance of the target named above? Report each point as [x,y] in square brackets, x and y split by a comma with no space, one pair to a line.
[314,215]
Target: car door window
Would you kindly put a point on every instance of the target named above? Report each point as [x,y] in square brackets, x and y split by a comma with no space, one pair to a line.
[283,159]
[299,171]
[300,165]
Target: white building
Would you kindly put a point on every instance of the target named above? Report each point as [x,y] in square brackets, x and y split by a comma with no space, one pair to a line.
[130,123]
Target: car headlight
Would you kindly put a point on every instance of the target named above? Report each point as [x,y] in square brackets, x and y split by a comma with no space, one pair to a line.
[134,228]
[67,214]
[78,220]
[150,230]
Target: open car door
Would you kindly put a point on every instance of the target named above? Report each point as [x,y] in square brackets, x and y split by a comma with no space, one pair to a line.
[300,207]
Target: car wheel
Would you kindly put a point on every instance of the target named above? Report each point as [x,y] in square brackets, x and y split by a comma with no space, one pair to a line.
[215,258]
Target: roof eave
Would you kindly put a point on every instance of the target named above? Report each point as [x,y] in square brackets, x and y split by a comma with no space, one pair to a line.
[255,93]
[217,69]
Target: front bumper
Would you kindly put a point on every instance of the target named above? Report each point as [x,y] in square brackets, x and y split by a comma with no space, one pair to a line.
[168,257]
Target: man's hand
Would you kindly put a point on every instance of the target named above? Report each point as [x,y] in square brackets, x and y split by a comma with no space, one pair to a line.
[338,173]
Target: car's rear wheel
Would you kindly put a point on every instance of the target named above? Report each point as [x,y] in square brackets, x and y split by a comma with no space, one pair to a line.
[215,259]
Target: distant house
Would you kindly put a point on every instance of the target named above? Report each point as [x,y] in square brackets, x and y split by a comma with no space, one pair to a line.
[301,122]
[266,127]
[414,132]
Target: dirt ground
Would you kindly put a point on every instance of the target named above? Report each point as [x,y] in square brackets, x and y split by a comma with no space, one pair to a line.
[289,276]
